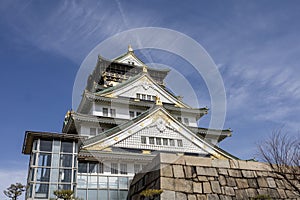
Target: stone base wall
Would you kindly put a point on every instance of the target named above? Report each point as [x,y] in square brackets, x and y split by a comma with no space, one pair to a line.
[192,178]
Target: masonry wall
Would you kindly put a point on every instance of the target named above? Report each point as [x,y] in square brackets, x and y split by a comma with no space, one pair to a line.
[195,178]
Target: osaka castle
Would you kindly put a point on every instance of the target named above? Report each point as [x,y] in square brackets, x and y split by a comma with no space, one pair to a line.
[125,118]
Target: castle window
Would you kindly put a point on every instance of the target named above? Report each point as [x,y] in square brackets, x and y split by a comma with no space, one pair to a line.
[137,168]
[105,112]
[131,114]
[172,142]
[82,167]
[138,95]
[123,168]
[151,140]
[149,97]
[165,141]
[143,96]
[101,168]
[179,143]
[113,112]
[138,113]
[179,119]
[158,141]
[186,121]
[93,131]
[114,168]
[46,145]
[143,140]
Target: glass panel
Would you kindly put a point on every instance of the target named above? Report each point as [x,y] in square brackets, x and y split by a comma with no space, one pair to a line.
[114,168]
[74,176]
[43,174]
[186,121]
[29,190]
[44,159]
[172,142]
[105,112]
[123,182]
[102,195]
[158,141]
[65,175]
[113,182]
[143,140]
[123,194]
[66,160]
[82,181]
[165,141]
[41,190]
[113,112]
[81,194]
[179,143]
[52,189]
[34,146]
[64,187]
[101,168]
[151,140]
[54,175]
[92,194]
[113,195]
[92,182]
[33,159]
[46,145]
[56,146]
[82,167]
[131,114]
[93,167]
[102,182]
[123,168]
[55,160]
[67,147]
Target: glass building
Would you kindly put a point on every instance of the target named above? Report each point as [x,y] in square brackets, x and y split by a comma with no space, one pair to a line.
[125,118]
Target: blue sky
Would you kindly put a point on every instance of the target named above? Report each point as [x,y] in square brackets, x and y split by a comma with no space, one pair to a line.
[255,45]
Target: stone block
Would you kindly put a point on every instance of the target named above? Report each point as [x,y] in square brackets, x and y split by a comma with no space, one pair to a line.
[234,164]
[223,197]
[166,170]
[167,183]
[222,180]
[190,171]
[192,197]
[178,171]
[251,165]
[222,171]
[183,185]
[213,197]
[273,193]
[202,178]
[242,183]
[252,183]
[271,182]
[262,191]
[247,174]
[210,178]
[234,173]
[262,182]
[220,163]
[169,158]
[167,195]
[197,161]
[180,196]
[215,187]
[197,187]
[201,197]
[241,194]
[230,182]
[251,192]
[206,187]
[280,184]
[229,191]
[208,171]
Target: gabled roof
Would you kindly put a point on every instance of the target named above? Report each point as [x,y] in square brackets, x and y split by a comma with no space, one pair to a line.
[129,57]
[123,131]
[113,91]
